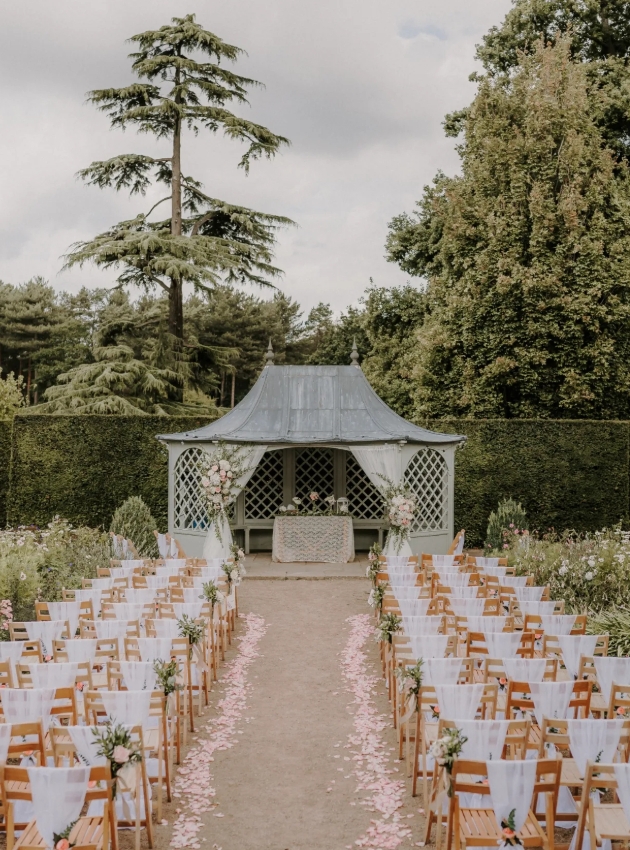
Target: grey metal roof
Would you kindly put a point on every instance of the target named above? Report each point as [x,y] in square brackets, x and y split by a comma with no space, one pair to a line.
[312,404]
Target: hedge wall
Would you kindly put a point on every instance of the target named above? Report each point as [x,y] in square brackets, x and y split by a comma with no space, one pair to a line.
[83,467]
[567,474]
[5,460]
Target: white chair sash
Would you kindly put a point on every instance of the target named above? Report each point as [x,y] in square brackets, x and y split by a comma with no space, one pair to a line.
[528,594]
[167,571]
[157,582]
[109,629]
[66,611]
[131,708]
[122,572]
[622,775]
[139,675]
[467,607]
[45,631]
[399,581]
[191,595]
[502,643]
[443,560]
[211,573]
[454,579]
[128,610]
[397,560]
[486,738]
[5,740]
[511,787]
[86,745]
[58,796]
[538,609]
[81,650]
[155,649]
[441,671]
[414,607]
[166,628]
[551,699]
[460,701]
[163,545]
[489,624]
[58,675]
[459,546]
[92,595]
[139,596]
[212,564]
[429,646]
[11,650]
[611,669]
[557,624]
[105,583]
[525,669]
[191,609]
[495,571]
[422,625]
[179,563]
[573,648]
[469,592]
[27,705]
[493,563]
[594,740]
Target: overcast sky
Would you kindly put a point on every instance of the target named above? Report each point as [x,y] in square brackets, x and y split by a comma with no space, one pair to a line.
[359,86]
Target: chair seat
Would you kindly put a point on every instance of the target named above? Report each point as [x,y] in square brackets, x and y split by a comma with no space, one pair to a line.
[570,774]
[598,703]
[611,822]
[86,833]
[479,828]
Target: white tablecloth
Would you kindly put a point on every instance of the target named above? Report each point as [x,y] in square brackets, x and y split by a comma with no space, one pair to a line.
[328,539]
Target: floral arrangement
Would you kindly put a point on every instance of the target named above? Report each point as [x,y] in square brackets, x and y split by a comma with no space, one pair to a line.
[167,672]
[211,593]
[389,624]
[508,831]
[375,599]
[238,555]
[116,746]
[400,508]
[188,628]
[410,678]
[61,840]
[373,566]
[446,749]
[233,574]
[313,505]
[220,472]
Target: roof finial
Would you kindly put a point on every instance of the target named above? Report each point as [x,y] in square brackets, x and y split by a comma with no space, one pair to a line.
[354,355]
[269,355]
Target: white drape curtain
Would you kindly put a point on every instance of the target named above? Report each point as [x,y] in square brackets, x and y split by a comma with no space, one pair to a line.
[218,545]
[58,797]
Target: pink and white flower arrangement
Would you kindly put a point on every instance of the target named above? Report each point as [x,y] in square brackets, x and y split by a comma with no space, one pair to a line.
[400,509]
[219,473]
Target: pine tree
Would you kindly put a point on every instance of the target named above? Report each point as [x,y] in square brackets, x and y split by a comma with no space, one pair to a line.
[205,240]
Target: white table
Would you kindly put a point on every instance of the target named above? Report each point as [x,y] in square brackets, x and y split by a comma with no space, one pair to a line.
[325,539]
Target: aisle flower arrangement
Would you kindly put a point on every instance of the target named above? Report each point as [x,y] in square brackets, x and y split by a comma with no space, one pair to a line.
[388,626]
[373,566]
[219,473]
[400,509]
[115,744]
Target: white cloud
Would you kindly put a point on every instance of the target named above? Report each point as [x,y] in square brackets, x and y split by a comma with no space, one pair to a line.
[359,86]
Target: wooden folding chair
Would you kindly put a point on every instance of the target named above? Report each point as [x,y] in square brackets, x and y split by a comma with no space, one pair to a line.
[602,820]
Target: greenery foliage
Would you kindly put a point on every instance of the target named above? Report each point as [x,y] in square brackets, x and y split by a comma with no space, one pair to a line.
[508,518]
[133,520]
[11,395]
[526,255]
[616,624]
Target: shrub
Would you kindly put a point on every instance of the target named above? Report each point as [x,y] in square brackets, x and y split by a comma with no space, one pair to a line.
[134,521]
[508,519]
[616,624]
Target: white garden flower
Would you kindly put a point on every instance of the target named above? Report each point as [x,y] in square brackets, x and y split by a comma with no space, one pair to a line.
[282,509]
[588,576]
[296,500]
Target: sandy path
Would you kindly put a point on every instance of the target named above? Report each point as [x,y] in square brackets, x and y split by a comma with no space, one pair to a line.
[272,787]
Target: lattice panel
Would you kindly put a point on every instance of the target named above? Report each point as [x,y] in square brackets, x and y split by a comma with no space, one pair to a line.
[190,508]
[427,476]
[365,500]
[264,493]
[314,471]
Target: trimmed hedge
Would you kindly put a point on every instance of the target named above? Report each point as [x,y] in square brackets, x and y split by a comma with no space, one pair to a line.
[84,467]
[567,474]
[5,462]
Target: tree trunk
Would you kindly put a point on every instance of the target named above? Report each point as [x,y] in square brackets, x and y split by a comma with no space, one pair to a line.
[176,309]
[233,385]
[176,295]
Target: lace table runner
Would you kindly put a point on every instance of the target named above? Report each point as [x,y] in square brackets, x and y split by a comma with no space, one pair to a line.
[328,539]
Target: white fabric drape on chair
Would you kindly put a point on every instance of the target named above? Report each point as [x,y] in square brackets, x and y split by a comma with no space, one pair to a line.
[46,631]
[429,646]
[573,648]
[528,594]
[5,740]
[441,671]
[611,669]
[486,738]
[11,650]
[86,744]
[138,675]
[483,624]
[166,629]
[551,699]
[66,611]
[155,649]
[502,643]
[58,797]
[59,675]
[81,650]
[511,787]
[423,625]
[594,740]
[622,775]
[525,669]
[557,624]
[218,545]
[467,607]
[91,594]
[190,609]
[460,701]
[538,609]
[413,607]
[27,705]
[128,707]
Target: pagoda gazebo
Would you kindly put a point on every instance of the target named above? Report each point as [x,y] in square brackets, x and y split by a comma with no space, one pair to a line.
[323,429]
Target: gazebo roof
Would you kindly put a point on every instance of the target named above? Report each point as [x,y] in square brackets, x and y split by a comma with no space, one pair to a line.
[312,404]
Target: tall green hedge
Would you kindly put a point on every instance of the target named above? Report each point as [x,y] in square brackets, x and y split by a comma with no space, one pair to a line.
[83,467]
[5,460]
[567,474]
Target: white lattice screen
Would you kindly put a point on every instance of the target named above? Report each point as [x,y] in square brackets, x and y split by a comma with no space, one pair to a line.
[264,492]
[314,471]
[190,508]
[365,500]
[427,476]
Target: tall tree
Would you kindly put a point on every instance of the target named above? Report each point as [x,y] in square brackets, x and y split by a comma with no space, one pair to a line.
[527,254]
[183,86]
